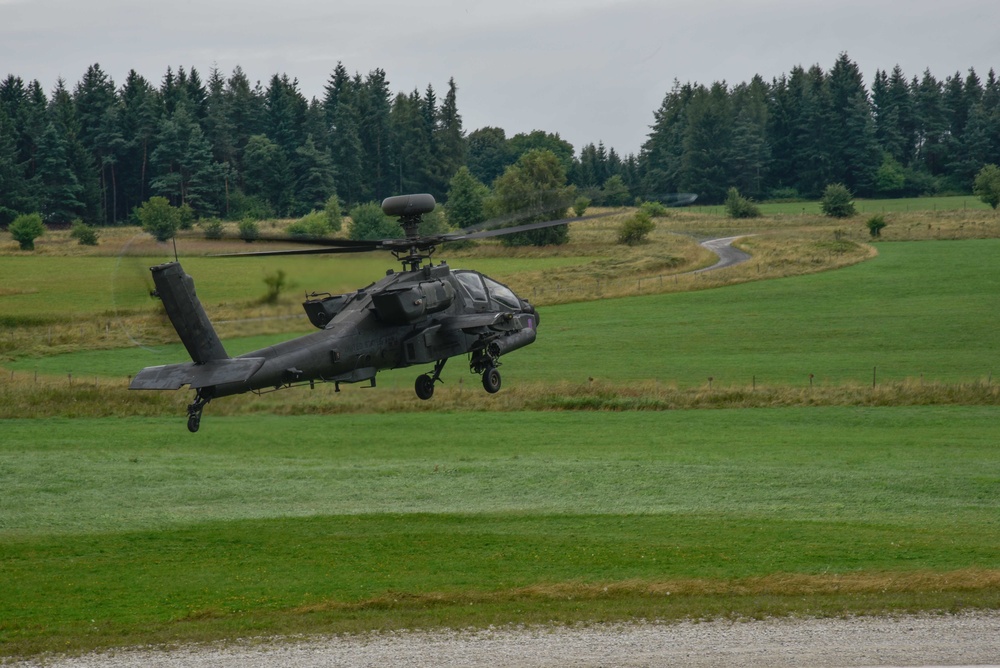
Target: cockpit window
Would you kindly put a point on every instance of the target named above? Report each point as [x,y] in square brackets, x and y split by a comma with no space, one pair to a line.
[502,294]
[473,284]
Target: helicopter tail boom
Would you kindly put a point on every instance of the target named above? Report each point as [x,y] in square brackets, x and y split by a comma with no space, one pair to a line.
[176,289]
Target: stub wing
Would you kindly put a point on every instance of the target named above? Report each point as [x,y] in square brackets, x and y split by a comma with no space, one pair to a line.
[215,372]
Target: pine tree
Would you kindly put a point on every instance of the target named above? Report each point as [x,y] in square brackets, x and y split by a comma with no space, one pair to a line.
[314,178]
[266,173]
[411,142]
[449,139]
[374,132]
[58,188]
[13,187]
[704,168]
[139,122]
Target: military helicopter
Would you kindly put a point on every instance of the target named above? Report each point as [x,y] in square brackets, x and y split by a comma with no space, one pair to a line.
[425,314]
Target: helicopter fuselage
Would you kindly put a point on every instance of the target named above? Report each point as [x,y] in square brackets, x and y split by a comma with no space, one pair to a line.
[420,316]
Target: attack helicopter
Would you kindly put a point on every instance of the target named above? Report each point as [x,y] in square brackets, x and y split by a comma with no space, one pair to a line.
[423,315]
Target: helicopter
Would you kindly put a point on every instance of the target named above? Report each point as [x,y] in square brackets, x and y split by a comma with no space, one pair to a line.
[423,315]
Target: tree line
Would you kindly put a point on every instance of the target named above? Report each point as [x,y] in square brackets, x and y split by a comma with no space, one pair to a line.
[228,147]
[792,137]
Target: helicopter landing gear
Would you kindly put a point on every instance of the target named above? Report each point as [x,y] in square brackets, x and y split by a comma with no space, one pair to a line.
[195,409]
[485,362]
[491,380]
[424,387]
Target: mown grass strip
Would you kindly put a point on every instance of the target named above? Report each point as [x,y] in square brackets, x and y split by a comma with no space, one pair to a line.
[351,573]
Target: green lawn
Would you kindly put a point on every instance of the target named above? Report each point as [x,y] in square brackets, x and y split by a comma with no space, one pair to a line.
[920,309]
[865,206]
[130,530]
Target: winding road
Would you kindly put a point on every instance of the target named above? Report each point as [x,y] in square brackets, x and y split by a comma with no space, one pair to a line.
[728,256]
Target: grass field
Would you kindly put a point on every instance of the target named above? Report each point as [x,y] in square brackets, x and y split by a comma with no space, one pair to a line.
[919,310]
[126,531]
[581,492]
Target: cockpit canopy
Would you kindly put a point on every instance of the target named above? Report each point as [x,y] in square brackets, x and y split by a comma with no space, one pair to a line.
[484,289]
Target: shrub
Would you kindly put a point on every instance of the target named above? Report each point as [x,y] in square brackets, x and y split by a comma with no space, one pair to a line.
[213,228]
[837,202]
[580,206]
[84,234]
[738,206]
[654,209]
[334,218]
[635,229]
[26,228]
[187,216]
[276,283]
[875,225]
[159,218]
[987,185]
[249,230]
[369,223]
[313,225]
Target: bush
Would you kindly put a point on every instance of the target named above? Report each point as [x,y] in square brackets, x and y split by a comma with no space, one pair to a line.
[654,209]
[875,225]
[369,223]
[987,185]
[242,206]
[84,234]
[26,228]
[213,228]
[157,217]
[837,202]
[580,206]
[276,283]
[635,229]
[187,216]
[249,230]
[738,206]
[334,218]
[313,225]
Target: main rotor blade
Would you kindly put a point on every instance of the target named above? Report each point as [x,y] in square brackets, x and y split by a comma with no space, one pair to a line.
[370,246]
[527,227]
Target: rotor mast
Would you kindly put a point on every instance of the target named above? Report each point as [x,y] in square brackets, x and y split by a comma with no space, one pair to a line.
[409,209]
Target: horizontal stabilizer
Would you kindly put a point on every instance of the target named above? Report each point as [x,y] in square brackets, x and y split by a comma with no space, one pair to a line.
[216,372]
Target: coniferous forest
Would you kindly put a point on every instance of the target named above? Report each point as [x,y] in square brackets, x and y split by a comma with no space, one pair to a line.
[230,147]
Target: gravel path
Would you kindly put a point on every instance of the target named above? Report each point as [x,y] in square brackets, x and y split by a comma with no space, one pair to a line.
[965,639]
[728,256]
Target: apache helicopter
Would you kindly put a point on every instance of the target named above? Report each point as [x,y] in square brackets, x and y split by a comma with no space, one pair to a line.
[424,314]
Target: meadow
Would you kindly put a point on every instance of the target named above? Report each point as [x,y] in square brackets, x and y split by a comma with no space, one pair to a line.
[130,531]
[848,464]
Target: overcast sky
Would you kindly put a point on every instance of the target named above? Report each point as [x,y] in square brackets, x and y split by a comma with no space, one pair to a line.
[591,70]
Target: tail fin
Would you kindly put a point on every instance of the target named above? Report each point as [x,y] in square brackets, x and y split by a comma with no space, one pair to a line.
[184,309]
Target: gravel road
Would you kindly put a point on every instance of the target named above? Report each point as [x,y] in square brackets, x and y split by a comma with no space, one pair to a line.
[728,256]
[952,640]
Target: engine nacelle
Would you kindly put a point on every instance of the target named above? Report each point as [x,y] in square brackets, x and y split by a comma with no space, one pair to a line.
[321,311]
[409,303]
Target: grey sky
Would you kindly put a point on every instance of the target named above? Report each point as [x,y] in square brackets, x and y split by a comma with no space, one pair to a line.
[589,69]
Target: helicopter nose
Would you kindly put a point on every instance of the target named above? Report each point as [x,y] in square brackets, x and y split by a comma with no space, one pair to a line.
[534,313]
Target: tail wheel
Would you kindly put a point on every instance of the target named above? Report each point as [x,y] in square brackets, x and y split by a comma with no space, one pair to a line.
[491,380]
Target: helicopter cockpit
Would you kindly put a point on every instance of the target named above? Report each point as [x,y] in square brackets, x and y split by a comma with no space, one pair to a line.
[483,290]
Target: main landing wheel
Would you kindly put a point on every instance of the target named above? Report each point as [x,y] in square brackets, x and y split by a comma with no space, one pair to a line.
[424,387]
[491,380]
[194,421]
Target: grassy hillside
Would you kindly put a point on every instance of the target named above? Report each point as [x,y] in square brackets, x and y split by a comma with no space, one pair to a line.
[918,310]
